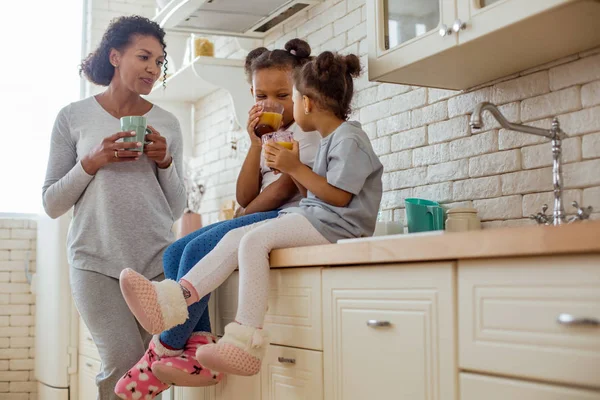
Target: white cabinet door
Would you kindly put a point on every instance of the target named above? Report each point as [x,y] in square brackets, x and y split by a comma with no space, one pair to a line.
[292,374]
[485,16]
[389,332]
[88,369]
[234,387]
[190,393]
[509,318]
[294,314]
[478,387]
[87,347]
[401,32]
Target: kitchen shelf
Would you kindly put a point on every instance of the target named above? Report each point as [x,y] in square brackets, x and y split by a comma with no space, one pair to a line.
[203,76]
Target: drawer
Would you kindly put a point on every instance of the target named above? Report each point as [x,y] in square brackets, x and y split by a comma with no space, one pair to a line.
[87,347]
[508,318]
[292,374]
[478,387]
[294,314]
[88,369]
[389,332]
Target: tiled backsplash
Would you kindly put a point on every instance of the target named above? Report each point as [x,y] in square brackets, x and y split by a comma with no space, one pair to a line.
[422,135]
[17,310]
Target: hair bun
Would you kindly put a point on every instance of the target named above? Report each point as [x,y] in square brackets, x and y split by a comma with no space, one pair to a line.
[352,65]
[298,48]
[326,65]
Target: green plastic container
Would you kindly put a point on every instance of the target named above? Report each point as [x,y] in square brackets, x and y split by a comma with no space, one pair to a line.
[423,215]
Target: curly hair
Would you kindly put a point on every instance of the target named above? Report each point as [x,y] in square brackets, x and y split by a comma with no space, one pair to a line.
[97,67]
[328,80]
[296,54]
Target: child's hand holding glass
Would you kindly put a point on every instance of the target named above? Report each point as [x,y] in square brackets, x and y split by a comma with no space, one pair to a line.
[281,151]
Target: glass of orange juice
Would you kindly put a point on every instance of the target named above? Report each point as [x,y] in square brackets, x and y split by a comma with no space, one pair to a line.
[270,119]
[282,138]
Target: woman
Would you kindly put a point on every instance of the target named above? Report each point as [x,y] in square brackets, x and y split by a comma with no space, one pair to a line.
[125,201]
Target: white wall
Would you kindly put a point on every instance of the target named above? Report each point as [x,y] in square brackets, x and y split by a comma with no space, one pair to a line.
[422,135]
[17,310]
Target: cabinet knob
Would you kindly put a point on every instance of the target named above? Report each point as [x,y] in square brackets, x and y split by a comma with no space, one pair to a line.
[373,323]
[570,320]
[458,26]
[284,360]
[445,30]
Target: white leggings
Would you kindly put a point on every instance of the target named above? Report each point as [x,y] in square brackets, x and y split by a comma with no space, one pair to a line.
[249,246]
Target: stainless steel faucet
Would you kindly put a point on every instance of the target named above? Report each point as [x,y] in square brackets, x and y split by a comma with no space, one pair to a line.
[556,135]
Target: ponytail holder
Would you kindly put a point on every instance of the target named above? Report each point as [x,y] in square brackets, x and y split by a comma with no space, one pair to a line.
[293,52]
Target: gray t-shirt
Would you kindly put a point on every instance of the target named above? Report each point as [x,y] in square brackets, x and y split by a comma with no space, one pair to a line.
[346,158]
[124,214]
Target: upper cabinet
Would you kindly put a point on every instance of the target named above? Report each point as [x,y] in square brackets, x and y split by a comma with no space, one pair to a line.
[458,44]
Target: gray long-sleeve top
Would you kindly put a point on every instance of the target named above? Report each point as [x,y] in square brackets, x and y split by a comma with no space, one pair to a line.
[124,214]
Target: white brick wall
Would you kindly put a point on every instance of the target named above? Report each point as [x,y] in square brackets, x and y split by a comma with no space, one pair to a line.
[422,135]
[17,311]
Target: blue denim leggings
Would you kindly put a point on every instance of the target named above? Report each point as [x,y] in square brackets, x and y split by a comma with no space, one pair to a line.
[181,256]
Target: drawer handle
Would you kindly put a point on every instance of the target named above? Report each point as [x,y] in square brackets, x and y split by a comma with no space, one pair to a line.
[89,365]
[89,338]
[570,320]
[373,323]
[284,360]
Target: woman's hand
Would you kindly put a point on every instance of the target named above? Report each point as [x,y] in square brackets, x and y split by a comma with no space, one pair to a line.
[156,150]
[281,159]
[253,118]
[109,151]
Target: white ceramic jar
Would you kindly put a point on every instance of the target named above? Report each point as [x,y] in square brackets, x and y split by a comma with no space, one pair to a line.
[462,219]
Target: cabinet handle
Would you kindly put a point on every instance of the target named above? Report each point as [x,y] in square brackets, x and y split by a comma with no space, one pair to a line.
[458,26]
[445,30]
[570,320]
[284,360]
[89,365]
[89,338]
[373,323]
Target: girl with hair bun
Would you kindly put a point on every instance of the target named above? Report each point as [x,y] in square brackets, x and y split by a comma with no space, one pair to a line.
[261,193]
[343,191]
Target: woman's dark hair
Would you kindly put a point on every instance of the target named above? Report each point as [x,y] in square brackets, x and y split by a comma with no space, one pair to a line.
[328,80]
[97,67]
[296,54]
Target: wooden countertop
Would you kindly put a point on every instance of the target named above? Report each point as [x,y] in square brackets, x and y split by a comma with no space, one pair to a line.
[577,238]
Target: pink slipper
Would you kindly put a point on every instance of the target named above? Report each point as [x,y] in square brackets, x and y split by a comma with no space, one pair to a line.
[240,351]
[185,370]
[139,383]
[158,306]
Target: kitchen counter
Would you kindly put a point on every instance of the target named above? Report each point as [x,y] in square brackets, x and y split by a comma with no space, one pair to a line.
[577,238]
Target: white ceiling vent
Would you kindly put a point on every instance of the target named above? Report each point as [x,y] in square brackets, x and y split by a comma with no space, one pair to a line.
[242,18]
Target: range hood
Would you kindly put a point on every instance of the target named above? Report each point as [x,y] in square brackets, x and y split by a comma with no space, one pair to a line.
[241,18]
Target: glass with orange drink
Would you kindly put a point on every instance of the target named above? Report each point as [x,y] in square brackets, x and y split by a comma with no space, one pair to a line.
[270,119]
[282,138]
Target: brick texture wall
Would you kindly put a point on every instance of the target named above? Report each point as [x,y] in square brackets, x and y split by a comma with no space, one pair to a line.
[17,310]
[422,135]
